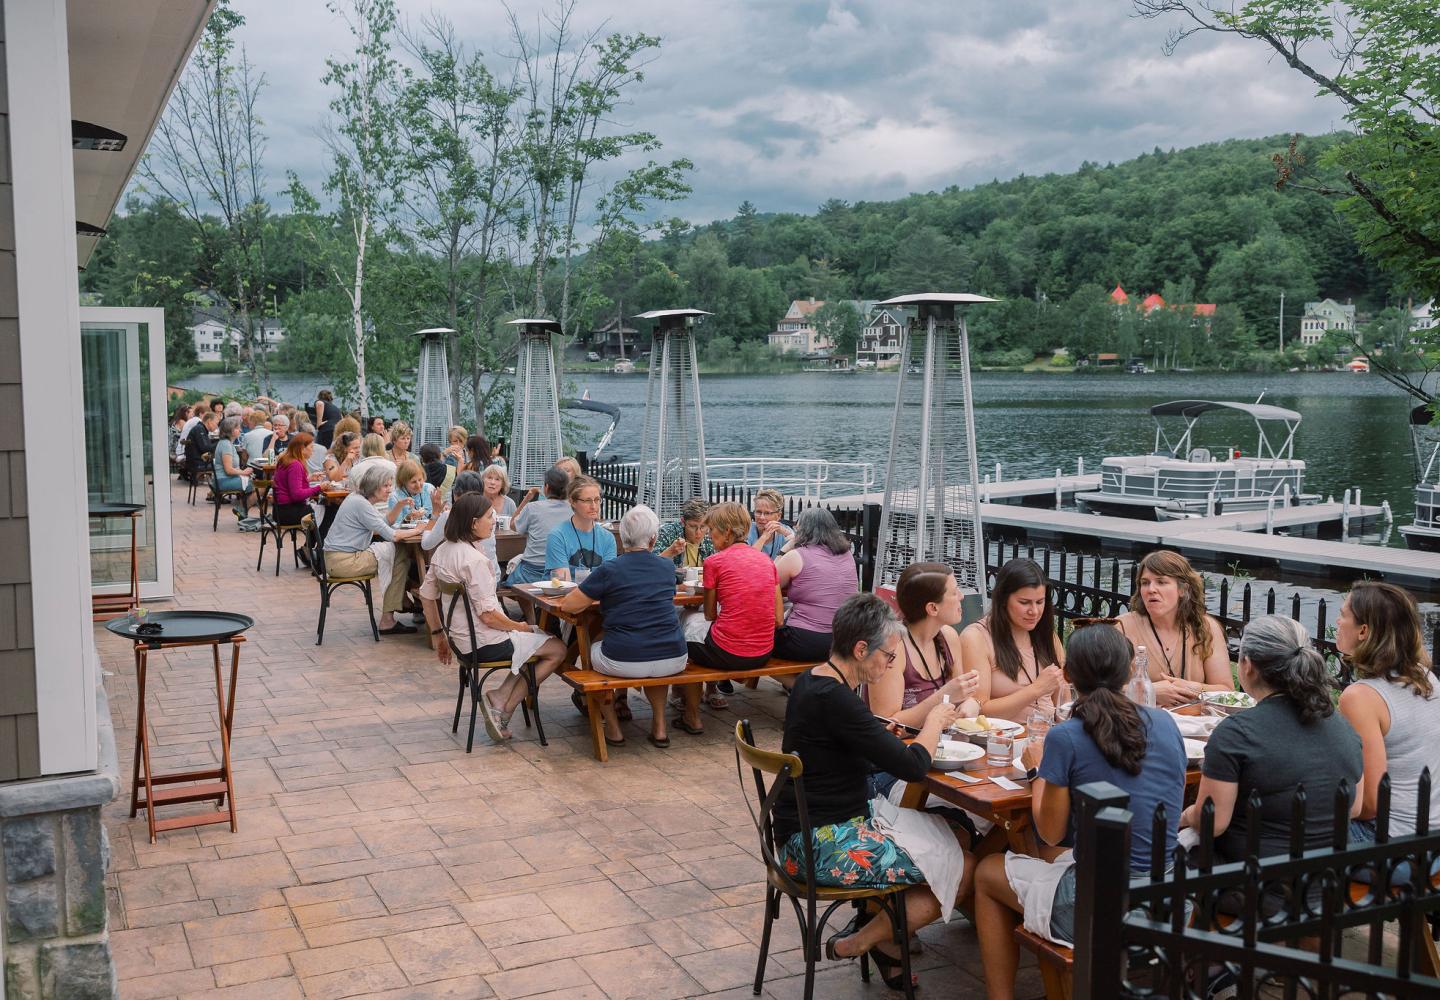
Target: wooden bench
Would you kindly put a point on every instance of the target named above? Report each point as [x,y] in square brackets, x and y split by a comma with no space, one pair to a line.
[594,685]
[1056,962]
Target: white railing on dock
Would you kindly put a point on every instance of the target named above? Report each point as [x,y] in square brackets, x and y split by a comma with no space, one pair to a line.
[813,478]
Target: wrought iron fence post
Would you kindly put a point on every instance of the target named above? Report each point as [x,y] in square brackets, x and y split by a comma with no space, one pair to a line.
[1102,882]
[870,533]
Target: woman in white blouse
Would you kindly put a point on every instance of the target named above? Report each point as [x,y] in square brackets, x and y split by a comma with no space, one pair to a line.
[462,559]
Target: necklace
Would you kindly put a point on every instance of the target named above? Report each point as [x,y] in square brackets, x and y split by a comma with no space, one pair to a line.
[924,670]
[841,674]
[1184,651]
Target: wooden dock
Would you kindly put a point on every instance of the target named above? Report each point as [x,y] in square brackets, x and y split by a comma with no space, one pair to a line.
[1312,556]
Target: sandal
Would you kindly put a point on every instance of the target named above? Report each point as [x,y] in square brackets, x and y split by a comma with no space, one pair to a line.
[892,970]
[399,628]
[716,700]
[497,723]
[659,742]
[685,727]
[622,709]
[615,743]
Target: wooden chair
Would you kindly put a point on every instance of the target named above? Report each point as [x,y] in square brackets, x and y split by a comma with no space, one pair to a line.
[785,770]
[201,472]
[474,674]
[329,584]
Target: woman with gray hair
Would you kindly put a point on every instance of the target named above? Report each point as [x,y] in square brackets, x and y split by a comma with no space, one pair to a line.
[636,594]
[817,574]
[351,548]
[1292,736]
[855,842]
[229,473]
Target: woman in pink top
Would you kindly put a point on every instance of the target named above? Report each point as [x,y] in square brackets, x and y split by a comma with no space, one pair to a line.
[817,574]
[292,481]
[742,600]
[1015,648]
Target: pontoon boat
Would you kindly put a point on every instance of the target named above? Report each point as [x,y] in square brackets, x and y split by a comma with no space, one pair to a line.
[1180,479]
[1424,531]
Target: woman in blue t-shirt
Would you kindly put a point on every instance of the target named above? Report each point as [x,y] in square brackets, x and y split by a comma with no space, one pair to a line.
[1107,738]
[577,546]
[636,593]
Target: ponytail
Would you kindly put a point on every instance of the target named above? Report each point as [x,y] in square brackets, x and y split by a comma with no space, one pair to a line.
[1098,663]
[1279,649]
[1113,722]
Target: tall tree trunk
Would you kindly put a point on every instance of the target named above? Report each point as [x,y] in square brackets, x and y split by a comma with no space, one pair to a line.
[357,317]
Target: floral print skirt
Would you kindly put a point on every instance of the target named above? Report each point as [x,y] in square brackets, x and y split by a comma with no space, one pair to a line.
[852,854]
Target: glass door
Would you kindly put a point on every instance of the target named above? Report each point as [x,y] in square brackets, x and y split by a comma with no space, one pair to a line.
[127,445]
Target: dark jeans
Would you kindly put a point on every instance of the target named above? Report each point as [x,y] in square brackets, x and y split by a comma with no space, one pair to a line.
[708,654]
[801,644]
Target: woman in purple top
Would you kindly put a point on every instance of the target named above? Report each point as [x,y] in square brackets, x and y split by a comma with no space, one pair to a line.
[292,481]
[816,576]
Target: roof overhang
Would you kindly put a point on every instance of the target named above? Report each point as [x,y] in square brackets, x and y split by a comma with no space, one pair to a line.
[1192,408]
[125,59]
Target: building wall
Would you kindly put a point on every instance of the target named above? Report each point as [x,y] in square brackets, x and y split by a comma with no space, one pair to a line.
[19,732]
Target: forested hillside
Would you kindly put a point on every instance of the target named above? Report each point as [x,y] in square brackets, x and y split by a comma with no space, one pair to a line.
[1198,225]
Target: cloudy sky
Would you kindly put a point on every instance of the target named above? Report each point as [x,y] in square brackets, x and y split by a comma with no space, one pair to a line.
[790,102]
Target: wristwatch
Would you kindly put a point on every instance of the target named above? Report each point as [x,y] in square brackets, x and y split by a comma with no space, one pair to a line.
[1031,773]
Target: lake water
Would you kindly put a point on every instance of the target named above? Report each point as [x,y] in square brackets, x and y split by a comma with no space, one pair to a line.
[1353,434]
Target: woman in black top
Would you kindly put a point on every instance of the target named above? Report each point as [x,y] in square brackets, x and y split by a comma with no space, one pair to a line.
[831,729]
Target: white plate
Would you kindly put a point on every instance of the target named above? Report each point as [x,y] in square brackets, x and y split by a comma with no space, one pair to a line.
[1194,750]
[1006,726]
[959,752]
[554,588]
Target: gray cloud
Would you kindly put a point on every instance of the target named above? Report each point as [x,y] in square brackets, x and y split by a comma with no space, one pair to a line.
[789,103]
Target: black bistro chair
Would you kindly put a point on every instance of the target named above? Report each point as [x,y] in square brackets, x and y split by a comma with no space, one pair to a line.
[200,472]
[473,674]
[804,896]
[329,584]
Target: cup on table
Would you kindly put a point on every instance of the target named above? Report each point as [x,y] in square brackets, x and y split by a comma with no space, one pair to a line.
[1037,724]
[692,575]
[502,522]
[999,749]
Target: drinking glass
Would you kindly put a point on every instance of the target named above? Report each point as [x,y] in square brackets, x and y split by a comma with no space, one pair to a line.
[1037,724]
[999,749]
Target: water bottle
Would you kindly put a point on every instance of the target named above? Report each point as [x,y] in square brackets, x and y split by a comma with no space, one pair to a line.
[1139,689]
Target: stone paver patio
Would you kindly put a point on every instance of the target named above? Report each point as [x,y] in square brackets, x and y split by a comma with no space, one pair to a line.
[376,858]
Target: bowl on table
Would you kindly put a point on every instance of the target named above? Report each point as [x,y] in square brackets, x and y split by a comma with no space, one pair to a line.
[1194,750]
[1227,702]
[957,755]
[554,588]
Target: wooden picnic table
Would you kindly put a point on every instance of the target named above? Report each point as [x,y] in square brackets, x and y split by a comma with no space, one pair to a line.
[508,545]
[1008,809]
[536,603]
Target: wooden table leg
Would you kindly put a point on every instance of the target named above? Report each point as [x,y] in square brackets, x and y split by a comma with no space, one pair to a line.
[139,731]
[134,564]
[597,725]
[223,715]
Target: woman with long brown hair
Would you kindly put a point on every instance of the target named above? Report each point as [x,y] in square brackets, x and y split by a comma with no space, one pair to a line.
[1393,705]
[292,485]
[1014,648]
[1186,646]
[1107,738]
[931,665]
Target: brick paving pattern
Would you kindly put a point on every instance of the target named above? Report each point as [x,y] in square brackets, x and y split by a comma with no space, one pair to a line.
[376,858]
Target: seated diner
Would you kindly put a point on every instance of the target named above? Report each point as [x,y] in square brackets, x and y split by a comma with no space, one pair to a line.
[536,522]
[412,493]
[931,663]
[686,542]
[293,491]
[636,594]
[743,606]
[817,575]
[1393,705]
[1108,738]
[459,559]
[1292,736]
[352,549]
[1015,649]
[840,742]
[1186,647]
[580,543]
[229,473]
[768,533]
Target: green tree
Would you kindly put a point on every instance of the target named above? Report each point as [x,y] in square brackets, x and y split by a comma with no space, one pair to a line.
[1253,277]
[840,323]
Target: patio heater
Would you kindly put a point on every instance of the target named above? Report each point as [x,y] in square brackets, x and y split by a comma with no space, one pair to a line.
[432,389]
[672,443]
[535,420]
[931,510]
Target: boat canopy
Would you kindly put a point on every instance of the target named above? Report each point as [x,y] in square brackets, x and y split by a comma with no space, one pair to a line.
[1193,408]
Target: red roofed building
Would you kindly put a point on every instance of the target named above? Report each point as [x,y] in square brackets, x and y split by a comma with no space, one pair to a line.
[1119,297]
[1152,302]
[1206,309]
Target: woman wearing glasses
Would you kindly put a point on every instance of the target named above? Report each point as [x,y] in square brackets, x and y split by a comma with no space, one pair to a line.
[854,841]
[580,544]
[768,533]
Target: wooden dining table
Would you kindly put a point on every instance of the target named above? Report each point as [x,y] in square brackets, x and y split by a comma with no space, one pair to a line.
[1008,809]
[537,605]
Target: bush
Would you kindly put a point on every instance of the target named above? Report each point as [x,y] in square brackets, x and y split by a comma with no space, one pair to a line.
[1017,358]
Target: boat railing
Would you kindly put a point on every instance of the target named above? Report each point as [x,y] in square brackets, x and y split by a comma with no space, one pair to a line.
[1260,484]
[805,478]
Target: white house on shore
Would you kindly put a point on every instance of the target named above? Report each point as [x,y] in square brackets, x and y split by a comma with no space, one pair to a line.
[1423,317]
[214,326]
[796,333]
[1324,316]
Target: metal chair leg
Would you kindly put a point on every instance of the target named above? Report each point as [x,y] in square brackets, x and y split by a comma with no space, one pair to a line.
[370,610]
[533,684]
[902,941]
[474,706]
[459,700]
[215,521]
[772,907]
[261,558]
[324,604]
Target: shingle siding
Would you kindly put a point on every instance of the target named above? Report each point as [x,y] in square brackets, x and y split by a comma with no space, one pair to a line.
[19,725]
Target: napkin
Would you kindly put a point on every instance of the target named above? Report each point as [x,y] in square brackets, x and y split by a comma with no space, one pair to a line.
[1196,727]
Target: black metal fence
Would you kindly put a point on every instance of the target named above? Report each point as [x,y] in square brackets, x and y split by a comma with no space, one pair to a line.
[1273,924]
[1082,585]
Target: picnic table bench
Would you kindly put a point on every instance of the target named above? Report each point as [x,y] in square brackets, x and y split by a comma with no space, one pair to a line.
[594,685]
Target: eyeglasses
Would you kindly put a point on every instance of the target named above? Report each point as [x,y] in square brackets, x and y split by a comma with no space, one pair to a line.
[767,513]
[890,657]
